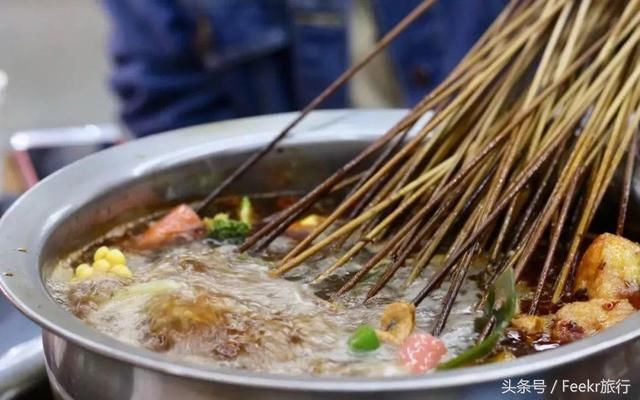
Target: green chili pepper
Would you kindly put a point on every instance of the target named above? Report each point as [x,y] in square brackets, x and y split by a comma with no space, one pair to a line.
[246,210]
[502,305]
[364,339]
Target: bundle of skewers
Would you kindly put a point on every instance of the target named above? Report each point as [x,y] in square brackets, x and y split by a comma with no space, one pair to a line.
[523,140]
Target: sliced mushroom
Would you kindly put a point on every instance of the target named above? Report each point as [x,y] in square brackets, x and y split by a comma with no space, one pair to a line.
[397,322]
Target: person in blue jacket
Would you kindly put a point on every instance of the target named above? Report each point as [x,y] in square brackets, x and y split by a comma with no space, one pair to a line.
[183,62]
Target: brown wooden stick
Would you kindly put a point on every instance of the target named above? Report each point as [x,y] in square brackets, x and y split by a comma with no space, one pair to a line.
[452,292]
[516,236]
[384,156]
[557,230]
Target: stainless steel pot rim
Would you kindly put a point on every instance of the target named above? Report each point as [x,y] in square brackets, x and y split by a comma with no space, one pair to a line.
[21,282]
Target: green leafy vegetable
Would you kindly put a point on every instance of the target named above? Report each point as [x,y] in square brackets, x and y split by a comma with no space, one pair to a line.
[223,228]
[501,305]
[364,339]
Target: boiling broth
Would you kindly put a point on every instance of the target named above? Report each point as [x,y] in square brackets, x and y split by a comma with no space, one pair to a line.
[203,302]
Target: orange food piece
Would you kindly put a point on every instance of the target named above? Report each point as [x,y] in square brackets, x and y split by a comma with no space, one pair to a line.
[181,222]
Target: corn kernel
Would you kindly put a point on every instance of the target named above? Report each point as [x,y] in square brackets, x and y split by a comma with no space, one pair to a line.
[101,265]
[83,271]
[116,257]
[100,253]
[121,270]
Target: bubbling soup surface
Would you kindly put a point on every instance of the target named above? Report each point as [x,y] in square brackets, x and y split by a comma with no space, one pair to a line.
[203,302]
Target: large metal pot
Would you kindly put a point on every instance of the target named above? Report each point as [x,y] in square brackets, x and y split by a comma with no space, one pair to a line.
[80,202]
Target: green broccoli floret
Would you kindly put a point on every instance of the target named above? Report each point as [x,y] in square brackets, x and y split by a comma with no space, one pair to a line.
[223,228]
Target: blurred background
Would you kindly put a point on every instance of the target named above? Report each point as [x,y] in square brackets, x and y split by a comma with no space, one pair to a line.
[61,46]
[187,62]
[46,48]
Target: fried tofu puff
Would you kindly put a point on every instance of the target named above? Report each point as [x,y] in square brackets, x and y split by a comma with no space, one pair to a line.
[610,268]
[575,320]
[585,318]
[609,272]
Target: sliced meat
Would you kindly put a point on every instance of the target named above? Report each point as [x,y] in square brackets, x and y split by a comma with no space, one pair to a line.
[180,222]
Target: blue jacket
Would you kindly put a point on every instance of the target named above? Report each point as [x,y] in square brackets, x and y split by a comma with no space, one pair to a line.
[183,62]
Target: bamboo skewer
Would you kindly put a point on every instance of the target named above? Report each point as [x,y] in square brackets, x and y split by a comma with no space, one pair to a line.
[626,188]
